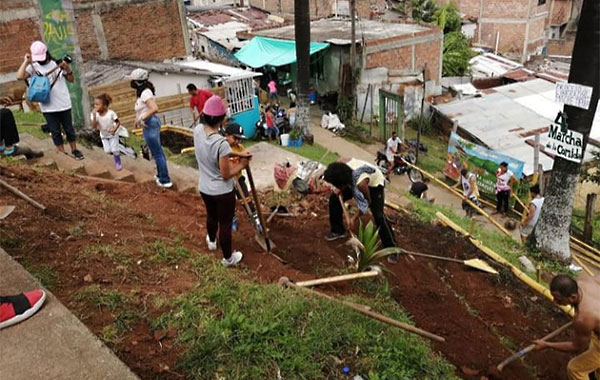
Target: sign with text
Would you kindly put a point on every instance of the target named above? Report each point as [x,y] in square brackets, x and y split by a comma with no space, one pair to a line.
[573,94]
[567,144]
[479,160]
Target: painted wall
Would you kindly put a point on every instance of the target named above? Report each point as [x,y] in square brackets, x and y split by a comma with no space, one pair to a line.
[172,84]
[248,119]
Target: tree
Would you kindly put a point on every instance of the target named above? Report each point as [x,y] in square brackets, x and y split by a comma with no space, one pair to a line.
[447,18]
[456,55]
[302,34]
[551,234]
[423,10]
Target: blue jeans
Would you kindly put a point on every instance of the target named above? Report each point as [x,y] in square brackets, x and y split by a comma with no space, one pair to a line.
[152,138]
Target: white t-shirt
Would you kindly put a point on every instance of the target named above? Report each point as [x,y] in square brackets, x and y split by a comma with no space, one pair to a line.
[538,203]
[392,144]
[140,104]
[502,180]
[60,100]
[106,122]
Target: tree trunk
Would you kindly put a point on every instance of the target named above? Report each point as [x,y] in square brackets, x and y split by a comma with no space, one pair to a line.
[302,34]
[551,234]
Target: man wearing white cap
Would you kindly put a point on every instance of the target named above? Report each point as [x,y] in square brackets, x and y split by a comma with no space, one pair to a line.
[57,110]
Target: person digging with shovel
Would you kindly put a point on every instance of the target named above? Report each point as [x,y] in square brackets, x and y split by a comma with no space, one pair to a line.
[353,178]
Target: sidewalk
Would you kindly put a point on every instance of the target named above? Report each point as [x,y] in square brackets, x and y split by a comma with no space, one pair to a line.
[53,344]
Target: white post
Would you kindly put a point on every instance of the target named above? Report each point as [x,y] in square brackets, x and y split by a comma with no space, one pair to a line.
[497,42]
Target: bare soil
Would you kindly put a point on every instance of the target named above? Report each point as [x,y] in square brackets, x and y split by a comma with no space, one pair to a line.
[480,315]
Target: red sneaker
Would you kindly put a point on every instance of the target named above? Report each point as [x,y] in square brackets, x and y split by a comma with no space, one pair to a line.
[14,309]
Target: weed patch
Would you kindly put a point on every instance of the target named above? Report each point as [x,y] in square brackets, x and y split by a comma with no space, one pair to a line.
[161,252]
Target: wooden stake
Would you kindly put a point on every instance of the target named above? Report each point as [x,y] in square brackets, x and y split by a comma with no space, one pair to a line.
[382,318]
[22,195]
[589,217]
[345,277]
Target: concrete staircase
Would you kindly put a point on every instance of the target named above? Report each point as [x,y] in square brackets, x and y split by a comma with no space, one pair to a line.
[101,165]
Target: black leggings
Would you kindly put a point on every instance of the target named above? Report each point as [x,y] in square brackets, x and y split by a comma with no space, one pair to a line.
[8,128]
[57,119]
[502,198]
[219,213]
[336,220]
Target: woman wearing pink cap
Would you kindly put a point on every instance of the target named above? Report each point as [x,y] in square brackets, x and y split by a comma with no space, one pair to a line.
[57,111]
[215,182]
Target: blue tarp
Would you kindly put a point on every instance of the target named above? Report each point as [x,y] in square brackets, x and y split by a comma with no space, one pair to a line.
[261,51]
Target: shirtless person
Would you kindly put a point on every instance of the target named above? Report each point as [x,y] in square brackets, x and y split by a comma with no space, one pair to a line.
[584,296]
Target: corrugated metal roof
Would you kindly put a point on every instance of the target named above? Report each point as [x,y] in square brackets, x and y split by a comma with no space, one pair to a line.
[501,118]
[491,65]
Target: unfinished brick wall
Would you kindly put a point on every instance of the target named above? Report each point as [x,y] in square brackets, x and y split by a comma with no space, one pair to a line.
[561,12]
[318,8]
[135,30]
[396,59]
[561,47]
[429,52]
[19,27]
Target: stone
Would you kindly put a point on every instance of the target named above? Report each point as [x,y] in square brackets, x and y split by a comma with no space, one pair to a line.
[528,264]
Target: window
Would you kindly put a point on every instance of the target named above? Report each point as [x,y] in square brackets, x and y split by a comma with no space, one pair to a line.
[240,95]
[541,2]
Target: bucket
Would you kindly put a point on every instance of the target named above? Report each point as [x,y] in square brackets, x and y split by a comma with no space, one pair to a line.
[285,139]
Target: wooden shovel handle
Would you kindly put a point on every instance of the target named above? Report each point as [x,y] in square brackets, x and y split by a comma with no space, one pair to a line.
[345,211]
[530,348]
[22,195]
[345,277]
[258,208]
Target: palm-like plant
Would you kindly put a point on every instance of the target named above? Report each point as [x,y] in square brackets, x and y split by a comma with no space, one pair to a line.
[366,246]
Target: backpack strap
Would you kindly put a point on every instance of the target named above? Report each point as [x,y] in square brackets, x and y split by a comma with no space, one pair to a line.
[57,67]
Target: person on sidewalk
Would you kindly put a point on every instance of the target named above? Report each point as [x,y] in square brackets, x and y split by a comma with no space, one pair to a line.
[9,137]
[391,150]
[365,183]
[419,190]
[197,100]
[533,212]
[584,297]
[215,182]
[107,122]
[468,182]
[504,178]
[17,308]
[273,95]
[57,111]
[146,118]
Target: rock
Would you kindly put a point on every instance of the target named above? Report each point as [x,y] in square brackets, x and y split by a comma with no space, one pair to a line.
[88,278]
[529,267]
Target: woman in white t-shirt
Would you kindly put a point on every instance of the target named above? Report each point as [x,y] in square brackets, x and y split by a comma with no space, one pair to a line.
[503,189]
[146,118]
[107,122]
[57,111]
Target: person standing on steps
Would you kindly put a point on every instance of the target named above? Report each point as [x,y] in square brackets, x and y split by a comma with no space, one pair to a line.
[57,111]
[353,178]
[584,297]
[468,182]
[146,118]
[533,212]
[504,177]
[107,122]
[197,100]
[215,180]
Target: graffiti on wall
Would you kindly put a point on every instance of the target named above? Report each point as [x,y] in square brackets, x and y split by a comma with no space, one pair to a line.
[58,32]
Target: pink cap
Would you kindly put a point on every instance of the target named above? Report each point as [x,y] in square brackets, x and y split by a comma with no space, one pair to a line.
[38,51]
[214,106]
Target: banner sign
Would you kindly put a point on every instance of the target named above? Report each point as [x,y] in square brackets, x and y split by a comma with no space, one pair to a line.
[479,160]
[567,144]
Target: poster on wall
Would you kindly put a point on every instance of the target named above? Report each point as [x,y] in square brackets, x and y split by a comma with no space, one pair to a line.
[479,160]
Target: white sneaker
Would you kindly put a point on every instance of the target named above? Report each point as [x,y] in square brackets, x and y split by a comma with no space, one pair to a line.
[236,257]
[575,268]
[166,185]
[212,245]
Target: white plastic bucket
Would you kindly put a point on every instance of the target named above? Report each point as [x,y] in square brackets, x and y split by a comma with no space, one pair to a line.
[285,139]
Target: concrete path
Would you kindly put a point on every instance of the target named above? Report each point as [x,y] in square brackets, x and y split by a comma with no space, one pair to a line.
[53,344]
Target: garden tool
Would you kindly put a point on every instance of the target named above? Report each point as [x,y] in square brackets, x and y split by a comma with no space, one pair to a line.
[345,277]
[530,348]
[6,211]
[473,263]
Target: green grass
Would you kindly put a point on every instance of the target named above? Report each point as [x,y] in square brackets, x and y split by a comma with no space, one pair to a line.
[507,247]
[162,252]
[437,147]
[312,152]
[30,122]
[42,272]
[235,329]
[577,222]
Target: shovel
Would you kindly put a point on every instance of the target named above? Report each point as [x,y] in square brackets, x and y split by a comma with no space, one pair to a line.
[473,263]
[6,211]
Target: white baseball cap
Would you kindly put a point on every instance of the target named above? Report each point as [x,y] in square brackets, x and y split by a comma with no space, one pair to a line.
[38,51]
[138,74]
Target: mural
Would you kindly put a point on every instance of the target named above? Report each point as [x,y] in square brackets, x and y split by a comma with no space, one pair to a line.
[58,32]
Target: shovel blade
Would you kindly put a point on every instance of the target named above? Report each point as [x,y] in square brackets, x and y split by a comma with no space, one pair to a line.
[6,211]
[266,244]
[480,265]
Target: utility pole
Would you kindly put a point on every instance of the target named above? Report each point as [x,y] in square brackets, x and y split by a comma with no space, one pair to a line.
[422,114]
[353,54]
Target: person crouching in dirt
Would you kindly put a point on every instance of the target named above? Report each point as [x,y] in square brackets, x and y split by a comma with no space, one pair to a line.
[364,182]
[215,182]
[234,133]
[584,296]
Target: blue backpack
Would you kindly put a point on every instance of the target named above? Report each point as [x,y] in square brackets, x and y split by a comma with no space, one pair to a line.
[40,87]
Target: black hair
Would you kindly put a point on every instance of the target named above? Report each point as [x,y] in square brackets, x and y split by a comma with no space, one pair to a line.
[564,285]
[105,99]
[292,104]
[394,133]
[141,85]
[463,171]
[191,87]
[339,175]
[213,120]
[504,163]
[535,189]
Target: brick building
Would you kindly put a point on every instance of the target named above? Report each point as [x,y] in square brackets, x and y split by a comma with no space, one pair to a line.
[518,28]
[322,8]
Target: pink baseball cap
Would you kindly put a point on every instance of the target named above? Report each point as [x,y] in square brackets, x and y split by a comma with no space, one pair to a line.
[214,106]
[38,51]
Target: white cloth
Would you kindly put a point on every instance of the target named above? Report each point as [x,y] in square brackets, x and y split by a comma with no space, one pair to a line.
[392,145]
[502,181]
[375,179]
[537,203]
[60,100]
[466,185]
[106,122]
[111,145]
[140,104]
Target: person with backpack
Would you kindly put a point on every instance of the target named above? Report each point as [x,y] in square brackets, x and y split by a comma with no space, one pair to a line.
[48,86]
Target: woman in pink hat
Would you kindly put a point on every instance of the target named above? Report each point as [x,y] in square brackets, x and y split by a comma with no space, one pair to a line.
[215,182]
[57,111]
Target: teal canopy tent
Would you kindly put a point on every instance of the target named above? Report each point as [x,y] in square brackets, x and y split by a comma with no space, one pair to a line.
[261,51]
